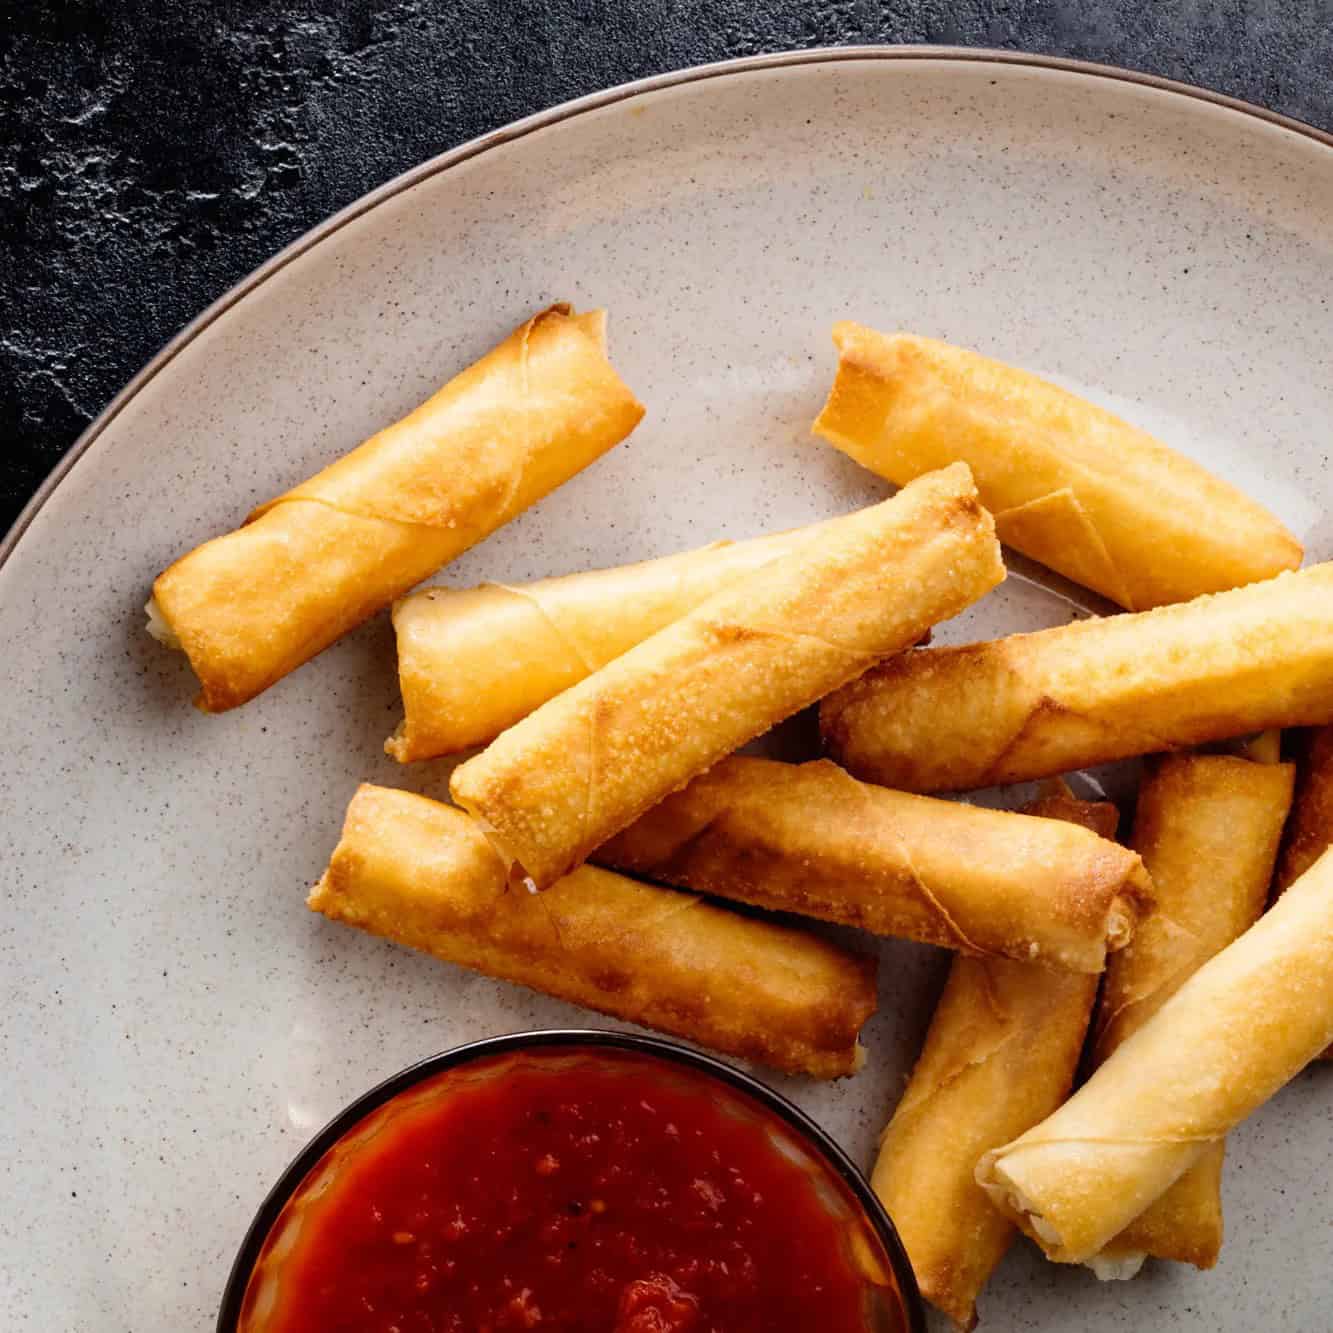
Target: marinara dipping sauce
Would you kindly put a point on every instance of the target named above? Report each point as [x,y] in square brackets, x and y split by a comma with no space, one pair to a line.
[599,1189]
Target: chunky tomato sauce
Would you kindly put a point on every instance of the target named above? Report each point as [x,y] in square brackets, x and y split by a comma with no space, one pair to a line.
[591,1195]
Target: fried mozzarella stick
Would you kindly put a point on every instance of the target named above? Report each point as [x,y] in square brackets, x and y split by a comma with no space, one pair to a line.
[999,1056]
[251,606]
[810,839]
[1243,1025]
[1208,829]
[473,661]
[1069,484]
[1311,830]
[422,874]
[950,719]
[590,761]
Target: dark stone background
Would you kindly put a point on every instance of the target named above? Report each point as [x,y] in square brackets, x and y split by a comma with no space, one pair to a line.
[152,152]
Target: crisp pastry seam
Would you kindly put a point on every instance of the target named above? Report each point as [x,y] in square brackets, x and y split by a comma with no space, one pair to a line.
[575,651]
[1103,552]
[1045,705]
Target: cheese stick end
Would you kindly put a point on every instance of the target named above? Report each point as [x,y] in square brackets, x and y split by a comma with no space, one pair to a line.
[160,627]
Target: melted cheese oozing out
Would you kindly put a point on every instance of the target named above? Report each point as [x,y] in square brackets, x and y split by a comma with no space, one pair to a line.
[1117,1267]
[158,626]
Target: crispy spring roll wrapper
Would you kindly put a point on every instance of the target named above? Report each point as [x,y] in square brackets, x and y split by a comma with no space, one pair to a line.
[951,719]
[1244,1024]
[1071,485]
[999,1056]
[422,874]
[1310,833]
[590,761]
[1054,800]
[473,661]
[1208,828]
[810,839]
[251,606]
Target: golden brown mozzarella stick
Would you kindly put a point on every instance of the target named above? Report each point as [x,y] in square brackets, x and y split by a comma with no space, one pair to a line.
[950,719]
[1000,1054]
[1069,484]
[810,839]
[1310,833]
[422,874]
[1208,828]
[251,606]
[590,761]
[1238,1029]
[473,661]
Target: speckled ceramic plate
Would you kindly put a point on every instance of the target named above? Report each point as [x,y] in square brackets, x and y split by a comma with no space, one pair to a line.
[175,1022]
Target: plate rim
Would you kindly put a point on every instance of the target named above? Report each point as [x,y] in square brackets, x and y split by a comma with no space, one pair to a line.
[568,110]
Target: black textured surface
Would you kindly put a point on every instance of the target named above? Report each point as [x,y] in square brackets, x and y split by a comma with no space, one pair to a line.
[153,153]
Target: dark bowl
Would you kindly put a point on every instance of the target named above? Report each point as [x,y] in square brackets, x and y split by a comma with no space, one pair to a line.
[876,1228]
